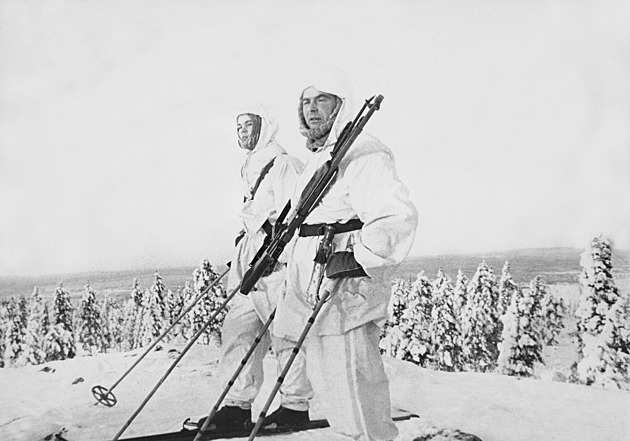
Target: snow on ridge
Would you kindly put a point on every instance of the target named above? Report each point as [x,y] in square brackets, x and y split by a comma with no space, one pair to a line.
[494,407]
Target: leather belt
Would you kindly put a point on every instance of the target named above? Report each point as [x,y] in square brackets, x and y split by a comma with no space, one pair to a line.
[308,230]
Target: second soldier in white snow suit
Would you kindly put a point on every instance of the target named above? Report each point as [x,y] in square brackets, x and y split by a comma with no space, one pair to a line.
[268,176]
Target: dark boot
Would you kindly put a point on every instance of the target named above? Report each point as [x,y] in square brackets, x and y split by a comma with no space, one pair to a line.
[284,417]
[233,417]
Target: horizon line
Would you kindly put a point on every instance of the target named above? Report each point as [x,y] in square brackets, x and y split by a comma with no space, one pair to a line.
[172,267]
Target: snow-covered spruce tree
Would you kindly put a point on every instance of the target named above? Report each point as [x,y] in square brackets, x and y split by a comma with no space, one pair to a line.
[90,324]
[46,320]
[606,356]
[187,322]
[622,316]
[63,311]
[480,319]
[139,323]
[416,321]
[507,287]
[153,320]
[598,289]
[391,334]
[520,345]
[14,345]
[8,311]
[203,276]
[129,334]
[461,288]
[441,279]
[539,290]
[133,320]
[461,295]
[553,313]
[35,332]
[104,306]
[401,291]
[13,341]
[23,312]
[411,342]
[112,324]
[137,294]
[174,307]
[60,340]
[424,288]
[158,289]
[4,326]
[443,328]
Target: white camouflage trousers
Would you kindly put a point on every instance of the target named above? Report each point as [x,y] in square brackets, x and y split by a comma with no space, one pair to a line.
[349,380]
[241,326]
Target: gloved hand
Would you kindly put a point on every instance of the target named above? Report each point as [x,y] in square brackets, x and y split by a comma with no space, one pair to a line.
[329,286]
[343,264]
[270,269]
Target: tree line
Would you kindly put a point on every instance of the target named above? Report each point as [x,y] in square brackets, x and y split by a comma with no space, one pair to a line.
[490,325]
[32,333]
[483,324]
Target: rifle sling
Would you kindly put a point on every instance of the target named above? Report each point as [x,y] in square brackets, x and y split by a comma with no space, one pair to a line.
[262,175]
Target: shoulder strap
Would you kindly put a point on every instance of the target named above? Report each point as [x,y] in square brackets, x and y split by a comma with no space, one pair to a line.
[263,173]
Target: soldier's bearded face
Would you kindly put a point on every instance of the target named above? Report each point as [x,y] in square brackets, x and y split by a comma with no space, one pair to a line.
[317,106]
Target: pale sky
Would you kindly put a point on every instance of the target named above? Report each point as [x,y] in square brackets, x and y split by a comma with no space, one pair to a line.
[509,121]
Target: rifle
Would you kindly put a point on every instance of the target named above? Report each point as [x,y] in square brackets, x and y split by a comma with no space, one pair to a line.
[268,255]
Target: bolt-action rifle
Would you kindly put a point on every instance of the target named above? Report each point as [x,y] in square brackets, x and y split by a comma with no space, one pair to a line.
[269,253]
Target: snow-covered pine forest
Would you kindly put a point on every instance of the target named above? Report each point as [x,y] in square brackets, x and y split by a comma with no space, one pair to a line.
[32,333]
[485,323]
[490,324]
[478,353]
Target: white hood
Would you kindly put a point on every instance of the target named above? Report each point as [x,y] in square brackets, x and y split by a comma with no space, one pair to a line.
[265,149]
[269,126]
[338,84]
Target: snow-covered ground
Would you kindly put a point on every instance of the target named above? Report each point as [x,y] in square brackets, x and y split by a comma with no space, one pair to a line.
[54,397]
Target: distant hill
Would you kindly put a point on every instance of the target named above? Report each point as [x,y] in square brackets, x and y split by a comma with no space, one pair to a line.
[555,265]
[117,284]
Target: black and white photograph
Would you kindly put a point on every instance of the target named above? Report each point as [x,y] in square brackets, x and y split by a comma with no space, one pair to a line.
[314,220]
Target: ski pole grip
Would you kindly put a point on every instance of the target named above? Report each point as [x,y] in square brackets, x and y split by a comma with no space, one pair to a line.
[255,272]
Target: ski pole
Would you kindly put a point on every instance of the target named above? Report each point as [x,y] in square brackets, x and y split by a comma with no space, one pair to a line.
[324,297]
[177,360]
[240,368]
[105,396]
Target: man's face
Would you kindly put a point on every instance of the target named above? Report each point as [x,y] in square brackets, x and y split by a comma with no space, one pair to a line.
[244,128]
[317,106]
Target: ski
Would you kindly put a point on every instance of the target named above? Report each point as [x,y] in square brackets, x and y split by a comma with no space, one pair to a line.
[313,424]
[189,434]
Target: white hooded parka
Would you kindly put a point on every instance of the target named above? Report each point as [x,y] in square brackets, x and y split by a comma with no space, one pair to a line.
[271,196]
[368,188]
